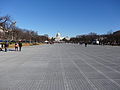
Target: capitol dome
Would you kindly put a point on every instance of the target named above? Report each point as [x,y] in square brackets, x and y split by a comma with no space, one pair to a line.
[58,35]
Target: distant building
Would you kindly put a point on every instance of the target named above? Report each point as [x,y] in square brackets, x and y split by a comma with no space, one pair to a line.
[67,38]
[58,37]
[46,35]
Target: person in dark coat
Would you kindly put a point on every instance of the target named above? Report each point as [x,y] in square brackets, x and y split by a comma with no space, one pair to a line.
[20,45]
[85,44]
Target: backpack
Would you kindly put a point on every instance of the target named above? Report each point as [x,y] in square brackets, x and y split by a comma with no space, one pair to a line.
[16,45]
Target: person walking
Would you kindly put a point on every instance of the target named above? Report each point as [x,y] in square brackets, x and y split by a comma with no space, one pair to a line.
[20,45]
[16,46]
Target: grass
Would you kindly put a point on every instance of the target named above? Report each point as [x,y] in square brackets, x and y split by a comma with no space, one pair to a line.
[25,44]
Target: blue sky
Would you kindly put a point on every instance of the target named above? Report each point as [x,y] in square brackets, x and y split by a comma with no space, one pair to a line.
[69,17]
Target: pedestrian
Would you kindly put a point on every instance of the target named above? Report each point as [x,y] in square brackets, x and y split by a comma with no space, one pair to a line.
[6,45]
[20,45]
[1,46]
[85,44]
[16,46]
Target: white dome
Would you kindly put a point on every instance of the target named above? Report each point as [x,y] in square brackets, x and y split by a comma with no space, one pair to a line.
[58,35]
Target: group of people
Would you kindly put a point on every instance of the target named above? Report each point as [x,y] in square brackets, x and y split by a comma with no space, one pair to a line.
[6,45]
[18,45]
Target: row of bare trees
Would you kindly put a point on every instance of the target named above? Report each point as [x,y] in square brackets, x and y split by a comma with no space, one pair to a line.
[9,32]
[106,39]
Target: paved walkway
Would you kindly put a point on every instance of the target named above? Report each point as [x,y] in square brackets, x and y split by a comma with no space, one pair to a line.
[61,67]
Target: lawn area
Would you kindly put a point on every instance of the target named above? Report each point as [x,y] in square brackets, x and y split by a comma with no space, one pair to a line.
[25,44]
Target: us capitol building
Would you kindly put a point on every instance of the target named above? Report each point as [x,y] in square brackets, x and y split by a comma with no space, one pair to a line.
[58,37]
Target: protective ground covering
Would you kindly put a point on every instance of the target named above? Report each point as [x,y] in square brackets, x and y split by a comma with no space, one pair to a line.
[61,67]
